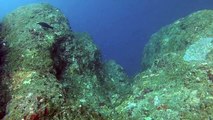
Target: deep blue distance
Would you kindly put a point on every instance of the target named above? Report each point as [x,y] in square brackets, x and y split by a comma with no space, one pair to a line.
[120,28]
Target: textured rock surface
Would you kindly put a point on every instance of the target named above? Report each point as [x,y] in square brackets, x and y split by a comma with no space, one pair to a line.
[179,36]
[176,83]
[51,72]
[34,90]
[116,81]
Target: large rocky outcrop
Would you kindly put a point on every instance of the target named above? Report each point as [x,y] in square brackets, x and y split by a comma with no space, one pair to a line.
[189,37]
[29,73]
[49,71]
[177,80]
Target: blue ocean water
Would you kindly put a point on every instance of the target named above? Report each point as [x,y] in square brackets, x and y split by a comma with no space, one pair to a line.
[120,28]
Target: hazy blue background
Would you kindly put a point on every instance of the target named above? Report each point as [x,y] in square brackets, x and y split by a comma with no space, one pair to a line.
[120,28]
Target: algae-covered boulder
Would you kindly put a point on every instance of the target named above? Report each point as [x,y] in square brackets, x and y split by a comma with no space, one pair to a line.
[190,38]
[182,94]
[88,83]
[78,66]
[177,80]
[116,81]
[34,89]
[78,53]
[50,72]
[48,66]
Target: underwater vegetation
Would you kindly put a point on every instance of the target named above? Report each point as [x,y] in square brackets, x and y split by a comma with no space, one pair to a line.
[50,72]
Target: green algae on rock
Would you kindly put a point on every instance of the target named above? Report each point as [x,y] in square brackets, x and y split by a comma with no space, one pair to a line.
[116,81]
[34,90]
[58,74]
[52,73]
[177,37]
[177,79]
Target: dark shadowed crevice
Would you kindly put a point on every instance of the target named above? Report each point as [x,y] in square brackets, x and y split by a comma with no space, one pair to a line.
[4,91]
[60,60]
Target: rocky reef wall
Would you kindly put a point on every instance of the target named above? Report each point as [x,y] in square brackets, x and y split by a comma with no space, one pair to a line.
[50,72]
[176,83]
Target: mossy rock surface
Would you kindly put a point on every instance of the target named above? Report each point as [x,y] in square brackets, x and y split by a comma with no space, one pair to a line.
[176,83]
[34,89]
[189,38]
[51,72]
[29,42]
[183,94]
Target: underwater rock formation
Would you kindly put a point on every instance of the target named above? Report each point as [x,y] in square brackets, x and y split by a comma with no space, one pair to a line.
[4,97]
[194,30]
[116,81]
[176,83]
[34,89]
[50,71]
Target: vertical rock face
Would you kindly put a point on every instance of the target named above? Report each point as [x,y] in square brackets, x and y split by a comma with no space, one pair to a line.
[4,97]
[34,89]
[31,42]
[51,72]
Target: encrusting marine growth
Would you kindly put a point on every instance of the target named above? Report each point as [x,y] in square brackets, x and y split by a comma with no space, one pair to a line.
[50,72]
